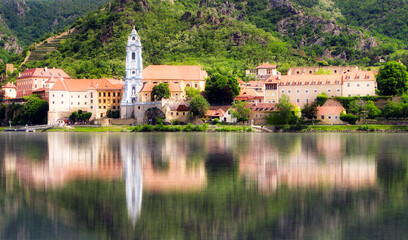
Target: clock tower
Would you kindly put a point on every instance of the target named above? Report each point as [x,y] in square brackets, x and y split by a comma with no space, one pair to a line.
[134,67]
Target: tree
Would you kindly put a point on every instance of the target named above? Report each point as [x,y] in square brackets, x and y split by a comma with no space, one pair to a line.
[309,111]
[356,107]
[192,92]
[392,79]
[285,109]
[34,111]
[321,99]
[221,89]
[241,111]
[160,91]
[80,116]
[112,113]
[198,106]
[349,118]
[2,95]
[372,110]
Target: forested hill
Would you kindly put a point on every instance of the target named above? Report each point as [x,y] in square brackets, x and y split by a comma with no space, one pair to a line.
[233,35]
[30,20]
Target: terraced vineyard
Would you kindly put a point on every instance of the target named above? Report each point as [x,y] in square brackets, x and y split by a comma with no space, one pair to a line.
[49,45]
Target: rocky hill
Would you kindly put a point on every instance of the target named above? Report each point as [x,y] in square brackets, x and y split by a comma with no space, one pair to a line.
[218,33]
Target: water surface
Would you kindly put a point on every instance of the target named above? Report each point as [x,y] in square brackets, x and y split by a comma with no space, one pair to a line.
[203,186]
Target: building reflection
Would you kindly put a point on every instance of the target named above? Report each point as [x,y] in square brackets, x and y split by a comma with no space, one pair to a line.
[308,164]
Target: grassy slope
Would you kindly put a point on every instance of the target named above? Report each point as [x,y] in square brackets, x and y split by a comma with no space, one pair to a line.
[100,49]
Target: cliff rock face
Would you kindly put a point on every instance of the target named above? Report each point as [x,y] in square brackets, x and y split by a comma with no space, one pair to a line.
[9,42]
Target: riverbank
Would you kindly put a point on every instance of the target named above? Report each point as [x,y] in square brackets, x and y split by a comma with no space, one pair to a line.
[155,128]
[231,128]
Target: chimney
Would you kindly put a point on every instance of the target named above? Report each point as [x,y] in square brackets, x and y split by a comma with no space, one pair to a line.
[45,69]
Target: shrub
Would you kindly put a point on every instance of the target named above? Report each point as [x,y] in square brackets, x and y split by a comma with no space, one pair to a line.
[349,118]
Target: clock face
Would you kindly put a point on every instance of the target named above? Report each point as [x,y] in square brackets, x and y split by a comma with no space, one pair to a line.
[133,72]
[133,47]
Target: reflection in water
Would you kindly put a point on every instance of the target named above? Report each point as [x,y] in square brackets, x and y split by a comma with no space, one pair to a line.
[133,178]
[200,185]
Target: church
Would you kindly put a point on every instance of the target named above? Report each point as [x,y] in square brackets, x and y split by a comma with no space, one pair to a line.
[139,83]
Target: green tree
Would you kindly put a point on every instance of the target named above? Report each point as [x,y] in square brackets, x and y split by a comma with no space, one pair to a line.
[309,111]
[356,107]
[198,106]
[241,111]
[80,116]
[221,89]
[321,99]
[349,118]
[392,109]
[34,111]
[192,92]
[160,91]
[392,79]
[372,110]
[285,109]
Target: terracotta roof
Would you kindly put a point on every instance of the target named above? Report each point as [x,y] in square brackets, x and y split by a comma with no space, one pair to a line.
[43,72]
[241,82]
[216,111]
[9,85]
[360,75]
[266,65]
[262,107]
[82,85]
[51,80]
[148,87]
[306,79]
[328,110]
[39,90]
[255,84]
[173,72]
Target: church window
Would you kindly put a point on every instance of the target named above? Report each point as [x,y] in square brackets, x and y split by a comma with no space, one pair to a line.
[133,56]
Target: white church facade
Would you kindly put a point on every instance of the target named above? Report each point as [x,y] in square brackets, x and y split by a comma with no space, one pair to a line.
[139,83]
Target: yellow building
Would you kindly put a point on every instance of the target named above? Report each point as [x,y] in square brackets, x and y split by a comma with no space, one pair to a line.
[178,78]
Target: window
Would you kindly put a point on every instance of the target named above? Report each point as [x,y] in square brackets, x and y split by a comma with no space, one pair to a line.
[86,96]
[113,94]
[348,84]
[328,90]
[100,101]
[91,95]
[118,94]
[267,94]
[283,91]
[72,103]
[91,107]
[368,84]
[322,117]
[114,101]
[138,107]
[104,107]
[100,107]
[78,96]
[298,91]
[53,102]
[91,101]
[53,95]
[315,90]
[100,94]
[297,100]
[114,107]
[307,90]
[104,101]
[78,103]
[85,103]
[338,90]
[108,94]
[329,117]
[307,100]
[133,54]
[104,94]
[62,102]
[358,85]
[289,91]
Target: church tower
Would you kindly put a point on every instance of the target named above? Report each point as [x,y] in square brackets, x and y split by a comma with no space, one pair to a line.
[134,67]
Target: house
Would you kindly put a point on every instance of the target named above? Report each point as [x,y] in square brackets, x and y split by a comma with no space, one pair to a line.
[89,95]
[249,95]
[359,83]
[312,70]
[302,89]
[178,78]
[259,112]
[177,111]
[176,93]
[9,91]
[330,112]
[222,113]
[33,81]
[263,71]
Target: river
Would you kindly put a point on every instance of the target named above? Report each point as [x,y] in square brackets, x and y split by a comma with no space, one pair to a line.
[203,186]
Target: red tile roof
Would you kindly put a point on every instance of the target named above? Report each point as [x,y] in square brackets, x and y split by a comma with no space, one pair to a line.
[262,107]
[360,75]
[182,108]
[9,85]
[306,79]
[43,72]
[266,65]
[173,72]
[82,85]
[328,110]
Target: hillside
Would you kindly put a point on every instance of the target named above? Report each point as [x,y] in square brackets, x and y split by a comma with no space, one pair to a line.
[29,20]
[171,33]
[230,36]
